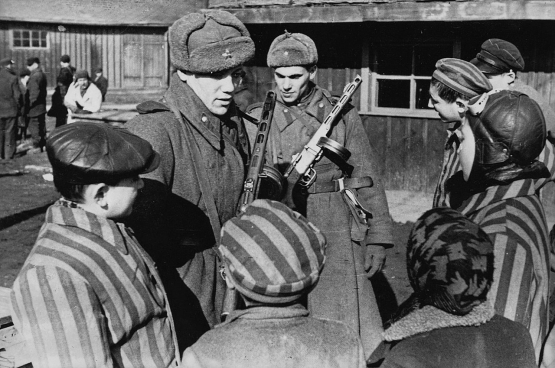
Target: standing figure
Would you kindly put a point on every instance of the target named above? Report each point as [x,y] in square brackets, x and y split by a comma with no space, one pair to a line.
[273,257]
[36,87]
[204,149]
[10,99]
[101,82]
[63,81]
[83,97]
[356,248]
[500,142]
[447,322]
[23,120]
[88,295]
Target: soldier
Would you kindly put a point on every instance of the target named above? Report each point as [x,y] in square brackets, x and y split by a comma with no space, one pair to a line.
[204,148]
[10,95]
[356,249]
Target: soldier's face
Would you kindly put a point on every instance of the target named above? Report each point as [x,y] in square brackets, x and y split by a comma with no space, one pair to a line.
[215,90]
[292,82]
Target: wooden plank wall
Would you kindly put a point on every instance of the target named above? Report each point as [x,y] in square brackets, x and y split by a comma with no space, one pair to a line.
[88,47]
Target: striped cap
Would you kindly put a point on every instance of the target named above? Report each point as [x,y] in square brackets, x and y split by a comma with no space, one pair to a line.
[271,253]
[462,77]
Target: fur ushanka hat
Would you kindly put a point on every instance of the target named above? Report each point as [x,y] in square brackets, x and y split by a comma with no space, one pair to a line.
[292,49]
[211,42]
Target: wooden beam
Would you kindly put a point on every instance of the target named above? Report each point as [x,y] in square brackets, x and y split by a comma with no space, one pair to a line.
[439,11]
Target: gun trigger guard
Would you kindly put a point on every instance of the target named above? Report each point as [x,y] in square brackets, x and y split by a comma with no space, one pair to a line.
[308,178]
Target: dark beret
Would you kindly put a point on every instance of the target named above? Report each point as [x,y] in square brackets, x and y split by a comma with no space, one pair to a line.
[292,49]
[98,70]
[88,153]
[32,60]
[65,59]
[462,77]
[81,74]
[498,56]
[203,43]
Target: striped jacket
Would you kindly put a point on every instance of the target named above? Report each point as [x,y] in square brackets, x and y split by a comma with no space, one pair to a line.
[88,296]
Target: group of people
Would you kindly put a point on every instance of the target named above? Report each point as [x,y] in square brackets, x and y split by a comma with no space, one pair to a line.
[23,100]
[135,263]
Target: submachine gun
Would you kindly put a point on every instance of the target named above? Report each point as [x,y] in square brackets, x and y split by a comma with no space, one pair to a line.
[304,161]
[262,181]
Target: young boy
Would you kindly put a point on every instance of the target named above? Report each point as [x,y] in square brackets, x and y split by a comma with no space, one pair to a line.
[453,84]
[88,295]
[273,257]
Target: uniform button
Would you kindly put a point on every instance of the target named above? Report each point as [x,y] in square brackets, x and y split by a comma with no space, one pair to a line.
[285,110]
[321,105]
[204,119]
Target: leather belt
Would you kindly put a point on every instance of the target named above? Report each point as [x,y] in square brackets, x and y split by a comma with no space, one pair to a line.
[340,184]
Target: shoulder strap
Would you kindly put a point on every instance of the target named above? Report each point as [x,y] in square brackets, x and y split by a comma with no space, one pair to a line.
[204,184]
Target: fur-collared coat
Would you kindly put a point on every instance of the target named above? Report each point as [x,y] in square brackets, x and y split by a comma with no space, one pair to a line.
[432,338]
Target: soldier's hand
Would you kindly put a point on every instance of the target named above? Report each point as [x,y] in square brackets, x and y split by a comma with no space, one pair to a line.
[374,259]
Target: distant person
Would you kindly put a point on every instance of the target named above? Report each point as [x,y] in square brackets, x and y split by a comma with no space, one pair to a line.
[36,87]
[83,97]
[242,96]
[63,81]
[10,99]
[273,257]
[88,295]
[23,120]
[447,322]
[101,82]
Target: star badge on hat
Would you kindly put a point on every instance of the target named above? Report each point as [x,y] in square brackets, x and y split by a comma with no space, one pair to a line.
[227,54]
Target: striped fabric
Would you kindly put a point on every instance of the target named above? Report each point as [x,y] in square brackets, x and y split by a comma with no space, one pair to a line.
[272,253]
[513,217]
[86,297]
[462,77]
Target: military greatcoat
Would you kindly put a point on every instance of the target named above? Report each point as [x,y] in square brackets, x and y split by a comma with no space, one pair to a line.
[344,292]
[170,217]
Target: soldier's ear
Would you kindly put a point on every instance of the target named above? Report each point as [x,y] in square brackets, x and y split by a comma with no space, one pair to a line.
[312,72]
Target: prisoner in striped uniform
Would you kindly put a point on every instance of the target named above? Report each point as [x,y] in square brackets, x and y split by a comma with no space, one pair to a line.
[88,295]
[496,189]
[274,257]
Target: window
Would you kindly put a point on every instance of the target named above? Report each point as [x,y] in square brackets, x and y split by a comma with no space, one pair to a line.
[29,39]
[400,77]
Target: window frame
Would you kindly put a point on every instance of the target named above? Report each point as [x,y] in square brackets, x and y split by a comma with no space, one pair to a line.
[41,32]
[371,107]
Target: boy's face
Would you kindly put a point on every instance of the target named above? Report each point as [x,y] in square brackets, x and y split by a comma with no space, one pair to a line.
[448,112]
[120,197]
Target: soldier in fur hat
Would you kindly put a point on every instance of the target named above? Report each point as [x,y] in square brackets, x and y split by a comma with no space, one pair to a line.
[356,248]
[204,149]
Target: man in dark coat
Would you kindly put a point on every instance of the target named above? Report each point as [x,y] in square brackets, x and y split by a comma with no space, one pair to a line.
[23,122]
[101,82]
[204,148]
[63,81]
[356,244]
[36,87]
[9,108]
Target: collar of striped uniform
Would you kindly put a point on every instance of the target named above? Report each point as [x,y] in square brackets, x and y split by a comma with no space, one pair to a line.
[496,193]
[68,213]
[430,318]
